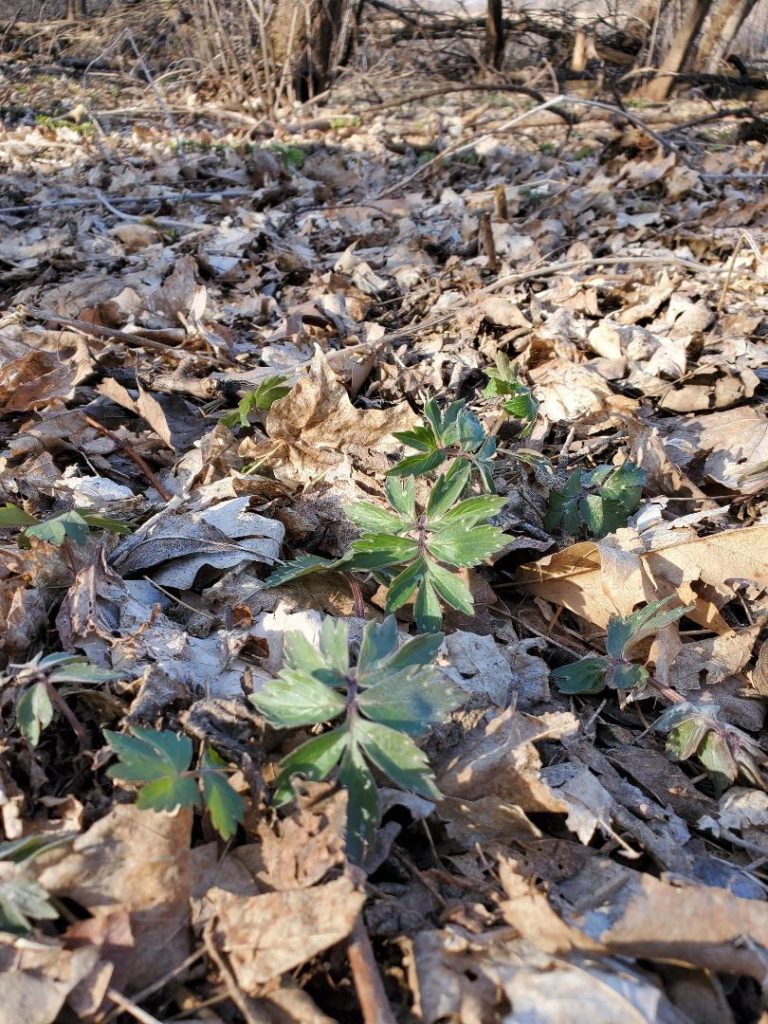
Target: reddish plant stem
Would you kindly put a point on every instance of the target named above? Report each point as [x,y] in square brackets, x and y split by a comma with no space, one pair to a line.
[133,455]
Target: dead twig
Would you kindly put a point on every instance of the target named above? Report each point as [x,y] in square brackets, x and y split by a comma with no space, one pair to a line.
[133,455]
[365,974]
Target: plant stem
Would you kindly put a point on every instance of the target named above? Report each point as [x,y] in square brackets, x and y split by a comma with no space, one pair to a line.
[77,726]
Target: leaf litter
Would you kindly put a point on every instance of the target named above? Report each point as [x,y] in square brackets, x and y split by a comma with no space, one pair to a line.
[305,395]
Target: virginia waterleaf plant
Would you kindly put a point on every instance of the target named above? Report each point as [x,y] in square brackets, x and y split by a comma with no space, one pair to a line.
[599,501]
[32,683]
[67,526]
[388,696]
[519,402]
[261,399]
[455,433]
[615,669]
[698,730]
[159,762]
[414,552]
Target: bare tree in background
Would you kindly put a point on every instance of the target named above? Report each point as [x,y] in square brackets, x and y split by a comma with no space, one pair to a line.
[494,34]
[77,9]
[310,38]
[720,32]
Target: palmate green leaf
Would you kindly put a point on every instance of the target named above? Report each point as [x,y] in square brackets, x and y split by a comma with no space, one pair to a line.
[625,676]
[300,655]
[379,641]
[12,516]
[334,643]
[411,701]
[624,485]
[148,754]
[402,587]
[423,439]
[451,588]
[401,495]
[304,565]
[97,522]
[362,803]
[427,612]
[295,699]
[34,712]
[22,901]
[563,509]
[67,526]
[373,519]
[716,756]
[447,490]
[397,756]
[269,391]
[469,429]
[473,510]
[460,546]
[626,630]
[418,651]
[314,760]
[379,550]
[585,676]
[418,465]
[225,807]
[168,793]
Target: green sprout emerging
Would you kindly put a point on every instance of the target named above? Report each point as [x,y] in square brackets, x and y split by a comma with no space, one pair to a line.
[390,695]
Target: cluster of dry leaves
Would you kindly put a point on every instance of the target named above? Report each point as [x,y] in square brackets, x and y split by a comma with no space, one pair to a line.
[148,279]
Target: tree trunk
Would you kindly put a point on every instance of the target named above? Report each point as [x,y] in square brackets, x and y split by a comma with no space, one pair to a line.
[494,35]
[720,32]
[659,87]
[77,9]
[311,39]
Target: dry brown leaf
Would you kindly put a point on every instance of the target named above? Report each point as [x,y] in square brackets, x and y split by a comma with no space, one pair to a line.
[500,760]
[136,861]
[264,936]
[37,977]
[576,577]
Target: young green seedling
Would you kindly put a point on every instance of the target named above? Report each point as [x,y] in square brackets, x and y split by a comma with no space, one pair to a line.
[160,763]
[410,549]
[389,695]
[519,402]
[262,399]
[33,688]
[67,526]
[597,502]
[22,899]
[614,669]
[456,434]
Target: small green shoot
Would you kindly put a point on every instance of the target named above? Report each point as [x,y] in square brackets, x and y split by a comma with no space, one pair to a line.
[615,669]
[389,696]
[262,399]
[597,502]
[159,762]
[31,688]
[519,402]
[293,157]
[456,433]
[67,526]
[409,550]
[697,730]
[22,899]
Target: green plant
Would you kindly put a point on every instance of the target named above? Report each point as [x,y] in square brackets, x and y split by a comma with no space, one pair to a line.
[67,526]
[159,761]
[386,698]
[262,399]
[22,899]
[32,688]
[456,433]
[598,501]
[547,148]
[615,669]
[519,402]
[408,550]
[293,157]
[697,730]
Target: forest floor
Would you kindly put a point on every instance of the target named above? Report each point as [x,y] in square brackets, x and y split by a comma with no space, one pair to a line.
[160,260]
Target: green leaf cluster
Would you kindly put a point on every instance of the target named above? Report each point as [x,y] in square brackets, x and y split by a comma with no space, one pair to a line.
[22,899]
[410,550]
[614,669]
[455,433]
[597,502]
[388,696]
[519,402]
[72,525]
[30,685]
[262,399]
[159,762]
[697,730]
